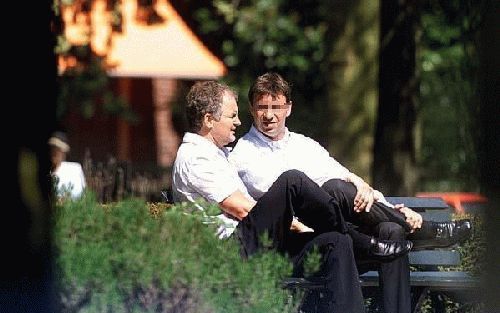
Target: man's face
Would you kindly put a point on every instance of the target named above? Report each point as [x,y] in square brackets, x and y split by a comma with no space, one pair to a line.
[56,156]
[269,115]
[223,131]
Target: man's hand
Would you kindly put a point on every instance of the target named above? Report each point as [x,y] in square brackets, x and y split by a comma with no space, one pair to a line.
[412,218]
[299,227]
[364,196]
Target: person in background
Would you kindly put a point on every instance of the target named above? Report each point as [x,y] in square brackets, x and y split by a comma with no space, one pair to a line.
[68,175]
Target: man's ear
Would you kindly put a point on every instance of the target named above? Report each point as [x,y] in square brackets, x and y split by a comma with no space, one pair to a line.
[208,120]
[252,111]
[289,109]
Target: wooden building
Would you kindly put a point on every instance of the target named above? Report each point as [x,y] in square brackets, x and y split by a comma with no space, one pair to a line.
[152,67]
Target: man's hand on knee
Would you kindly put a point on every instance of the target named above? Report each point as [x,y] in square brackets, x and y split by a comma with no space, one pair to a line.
[412,218]
[364,198]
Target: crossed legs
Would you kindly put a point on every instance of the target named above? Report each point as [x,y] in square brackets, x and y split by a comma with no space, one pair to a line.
[385,224]
[294,194]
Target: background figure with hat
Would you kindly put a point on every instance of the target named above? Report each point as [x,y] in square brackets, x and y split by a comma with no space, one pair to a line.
[69,175]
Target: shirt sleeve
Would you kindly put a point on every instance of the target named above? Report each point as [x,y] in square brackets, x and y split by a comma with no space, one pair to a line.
[331,167]
[215,182]
[336,169]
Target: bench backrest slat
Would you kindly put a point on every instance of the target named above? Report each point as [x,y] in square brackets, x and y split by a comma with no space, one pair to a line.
[437,215]
[435,257]
[419,204]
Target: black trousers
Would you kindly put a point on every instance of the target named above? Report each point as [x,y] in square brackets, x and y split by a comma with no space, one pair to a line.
[294,194]
[345,193]
[337,269]
[385,223]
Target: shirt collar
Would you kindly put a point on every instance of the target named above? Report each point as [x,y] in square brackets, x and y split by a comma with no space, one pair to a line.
[269,142]
[202,141]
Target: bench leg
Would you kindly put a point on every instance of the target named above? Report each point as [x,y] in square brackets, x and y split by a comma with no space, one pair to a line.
[418,296]
[438,302]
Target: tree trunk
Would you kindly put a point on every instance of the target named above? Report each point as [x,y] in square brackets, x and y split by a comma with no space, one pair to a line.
[353,83]
[489,154]
[394,170]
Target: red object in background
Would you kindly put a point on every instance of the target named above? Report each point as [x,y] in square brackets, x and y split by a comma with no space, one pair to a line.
[458,200]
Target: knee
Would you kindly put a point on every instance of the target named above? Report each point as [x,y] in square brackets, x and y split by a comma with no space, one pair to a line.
[345,241]
[335,238]
[335,183]
[391,231]
[343,248]
[334,186]
[293,174]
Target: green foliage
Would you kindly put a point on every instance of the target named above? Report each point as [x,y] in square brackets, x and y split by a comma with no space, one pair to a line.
[312,262]
[448,94]
[87,90]
[472,257]
[472,260]
[134,257]
[472,252]
[84,86]
[281,36]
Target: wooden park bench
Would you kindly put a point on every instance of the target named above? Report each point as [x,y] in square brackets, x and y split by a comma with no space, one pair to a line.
[430,276]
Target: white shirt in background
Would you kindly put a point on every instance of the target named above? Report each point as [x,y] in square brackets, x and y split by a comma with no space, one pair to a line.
[70,178]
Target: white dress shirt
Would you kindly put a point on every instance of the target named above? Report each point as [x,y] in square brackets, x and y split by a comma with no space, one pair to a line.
[70,179]
[260,160]
[201,171]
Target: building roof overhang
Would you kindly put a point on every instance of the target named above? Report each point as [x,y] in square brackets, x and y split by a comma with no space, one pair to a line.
[167,49]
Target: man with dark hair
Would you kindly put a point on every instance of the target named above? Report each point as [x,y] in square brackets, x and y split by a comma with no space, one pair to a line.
[269,149]
[202,171]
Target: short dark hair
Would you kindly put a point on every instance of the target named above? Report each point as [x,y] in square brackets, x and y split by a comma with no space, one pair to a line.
[205,97]
[270,84]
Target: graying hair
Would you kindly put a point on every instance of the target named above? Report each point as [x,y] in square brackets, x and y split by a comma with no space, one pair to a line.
[205,97]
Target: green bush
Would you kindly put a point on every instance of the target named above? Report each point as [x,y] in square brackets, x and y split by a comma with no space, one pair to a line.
[472,261]
[134,256]
[472,252]
[137,257]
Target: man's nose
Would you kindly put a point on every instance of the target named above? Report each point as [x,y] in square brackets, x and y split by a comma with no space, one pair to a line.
[268,114]
[237,121]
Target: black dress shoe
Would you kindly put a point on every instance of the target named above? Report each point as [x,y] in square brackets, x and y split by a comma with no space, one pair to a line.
[446,234]
[388,250]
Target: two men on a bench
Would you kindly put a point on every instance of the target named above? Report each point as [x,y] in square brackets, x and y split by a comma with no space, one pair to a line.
[201,170]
